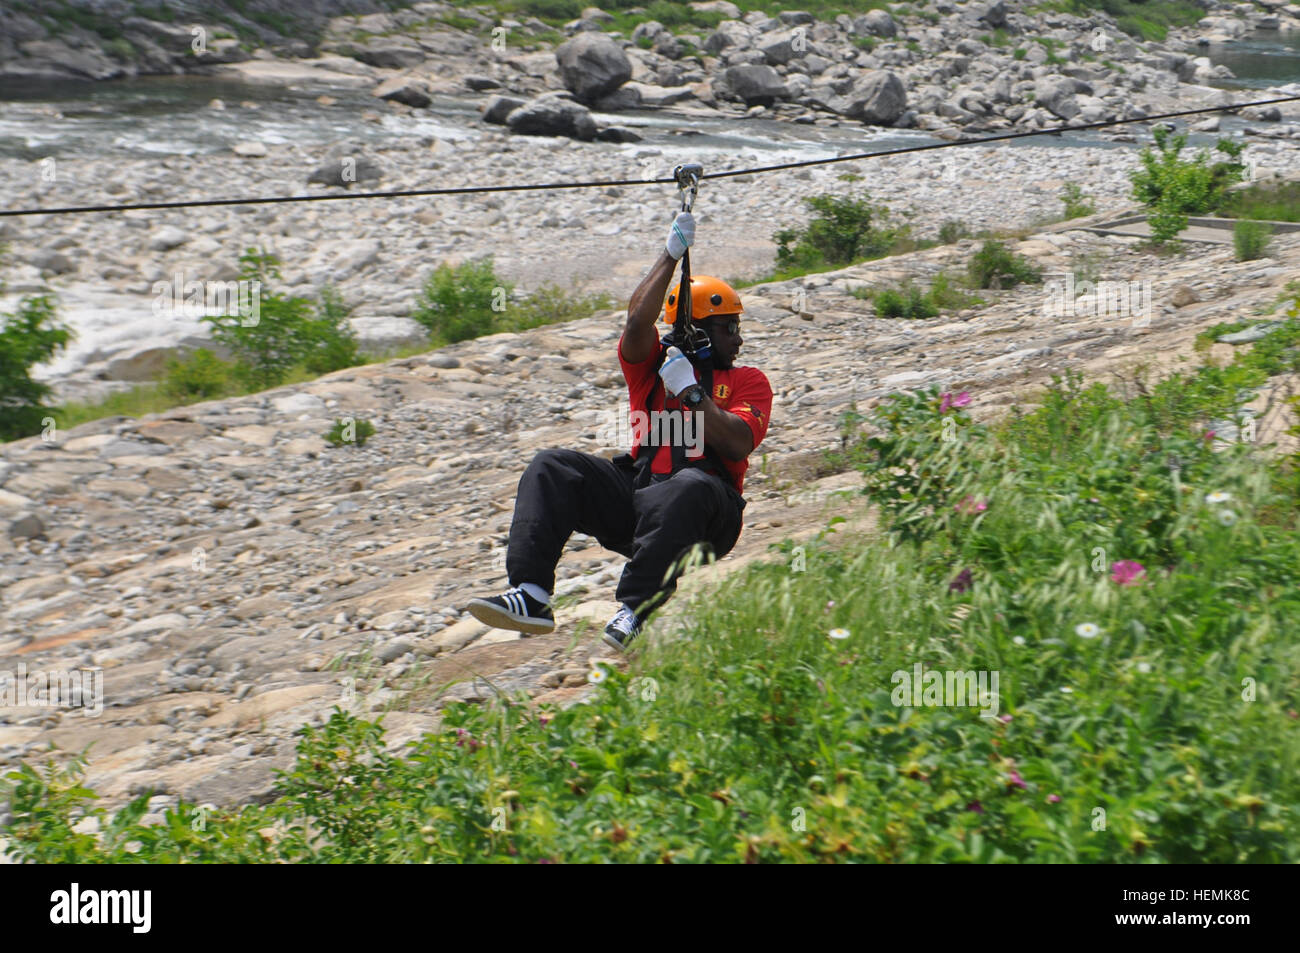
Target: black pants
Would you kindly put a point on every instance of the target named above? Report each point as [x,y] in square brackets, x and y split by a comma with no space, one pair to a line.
[654,525]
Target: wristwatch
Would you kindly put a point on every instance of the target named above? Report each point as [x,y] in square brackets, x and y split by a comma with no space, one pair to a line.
[693,396]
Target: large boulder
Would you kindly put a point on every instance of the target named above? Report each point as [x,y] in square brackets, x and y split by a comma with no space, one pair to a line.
[875,23]
[755,84]
[876,97]
[553,115]
[995,14]
[346,163]
[401,89]
[592,65]
[499,107]
[1056,94]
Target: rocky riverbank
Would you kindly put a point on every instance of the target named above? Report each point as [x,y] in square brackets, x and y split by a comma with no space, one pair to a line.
[233,577]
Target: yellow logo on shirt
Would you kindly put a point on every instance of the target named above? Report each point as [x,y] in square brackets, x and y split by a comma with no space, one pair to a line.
[721,392]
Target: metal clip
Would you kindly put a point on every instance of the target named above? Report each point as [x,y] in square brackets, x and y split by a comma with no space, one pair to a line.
[688,181]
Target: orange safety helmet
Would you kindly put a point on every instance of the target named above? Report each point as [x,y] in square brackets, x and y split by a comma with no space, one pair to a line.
[709,296]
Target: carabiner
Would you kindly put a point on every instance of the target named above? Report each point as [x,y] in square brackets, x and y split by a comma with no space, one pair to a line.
[688,180]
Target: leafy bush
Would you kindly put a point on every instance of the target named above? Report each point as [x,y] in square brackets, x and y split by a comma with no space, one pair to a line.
[28,337]
[282,332]
[1077,205]
[1250,239]
[463,302]
[552,304]
[199,376]
[1275,202]
[1173,188]
[843,231]
[349,431]
[995,266]
[953,231]
[908,302]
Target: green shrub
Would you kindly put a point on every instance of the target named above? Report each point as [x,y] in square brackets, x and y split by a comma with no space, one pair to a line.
[1274,202]
[199,376]
[1250,239]
[995,266]
[28,337]
[907,302]
[953,231]
[464,302]
[329,343]
[844,230]
[1173,188]
[1077,205]
[346,430]
[552,304]
[553,9]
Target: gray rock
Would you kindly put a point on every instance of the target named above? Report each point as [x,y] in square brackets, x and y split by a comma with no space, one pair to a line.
[480,83]
[550,115]
[876,97]
[140,364]
[52,261]
[1250,335]
[499,107]
[755,84]
[592,65]
[399,89]
[1056,95]
[617,134]
[444,361]
[27,526]
[390,52]
[394,650]
[875,23]
[647,29]
[995,14]
[796,17]
[167,238]
[299,404]
[376,335]
[347,168]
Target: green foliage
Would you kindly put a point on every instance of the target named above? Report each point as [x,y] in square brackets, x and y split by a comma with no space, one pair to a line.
[28,337]
[199,376]
[552,304]
[1077,205]
[1173,188]
[995,266]
[953,231]
[1250,239]
[1273,202]
[278,333]
[911,302]
[350,431]
[1019,53]
[463,302]
[843,231]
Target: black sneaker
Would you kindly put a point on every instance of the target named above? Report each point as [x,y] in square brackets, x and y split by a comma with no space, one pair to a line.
[622,629]
[515,610]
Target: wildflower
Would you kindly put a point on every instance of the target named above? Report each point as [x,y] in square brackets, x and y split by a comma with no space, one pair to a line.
[947,401]
[830,604]
[573,764]
[1218,496]
[1015,780]
[961,583]
[1053,799]
[1086,630]
[1005,719]
[838,634]
[970,505]
[1019,640]
[1067,689]
[1144,668]
[1126,572]
[597,675]
[1209,435]
[1227,517]
[975,806]
[1093,499]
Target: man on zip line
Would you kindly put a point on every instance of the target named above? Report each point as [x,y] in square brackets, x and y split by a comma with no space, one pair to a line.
[655,504]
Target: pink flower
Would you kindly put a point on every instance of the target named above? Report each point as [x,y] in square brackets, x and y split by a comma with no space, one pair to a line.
[1005,719]
[1053,799]
[1015,779]
[961,583]
[947,400]
[970,505]
[975,806]
[1209,435]
[1126,572]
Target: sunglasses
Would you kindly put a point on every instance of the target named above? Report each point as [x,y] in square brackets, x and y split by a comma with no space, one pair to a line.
[731,325]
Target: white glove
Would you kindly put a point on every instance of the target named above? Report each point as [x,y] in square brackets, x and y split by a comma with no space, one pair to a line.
[682,235]
[676,372]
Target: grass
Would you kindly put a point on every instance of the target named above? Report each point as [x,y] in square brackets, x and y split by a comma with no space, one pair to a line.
[1272,202]
[1142,713]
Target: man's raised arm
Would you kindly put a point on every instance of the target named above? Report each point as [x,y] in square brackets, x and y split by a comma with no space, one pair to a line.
[639,335]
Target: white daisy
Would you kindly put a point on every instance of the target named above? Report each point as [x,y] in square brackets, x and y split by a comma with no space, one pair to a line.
[1218,496]
[838,634]
[1227,517]
[597,675]
[1086,630]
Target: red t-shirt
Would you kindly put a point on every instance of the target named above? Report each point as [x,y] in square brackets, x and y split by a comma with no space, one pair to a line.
[743,391]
